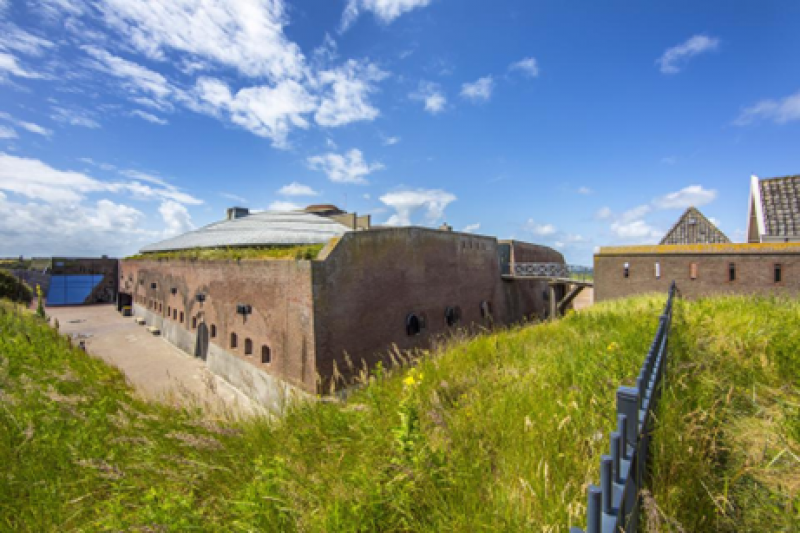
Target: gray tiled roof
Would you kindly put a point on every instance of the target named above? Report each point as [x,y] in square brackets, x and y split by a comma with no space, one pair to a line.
[694,228]
[257,229]
[780,201]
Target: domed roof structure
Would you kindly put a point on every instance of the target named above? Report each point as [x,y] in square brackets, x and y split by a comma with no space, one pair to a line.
[267,228]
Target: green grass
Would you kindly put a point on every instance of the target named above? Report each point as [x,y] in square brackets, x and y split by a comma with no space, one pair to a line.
[500,433]
[727,450]
[238,253]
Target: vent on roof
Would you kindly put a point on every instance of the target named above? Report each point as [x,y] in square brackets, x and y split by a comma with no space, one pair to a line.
[237,212]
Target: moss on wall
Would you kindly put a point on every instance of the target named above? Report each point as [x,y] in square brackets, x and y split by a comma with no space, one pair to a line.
[237,253]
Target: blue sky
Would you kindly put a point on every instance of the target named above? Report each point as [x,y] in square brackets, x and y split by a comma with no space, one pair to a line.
[572,124]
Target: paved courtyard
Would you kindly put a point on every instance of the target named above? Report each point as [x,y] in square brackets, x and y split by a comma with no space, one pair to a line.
[157,369]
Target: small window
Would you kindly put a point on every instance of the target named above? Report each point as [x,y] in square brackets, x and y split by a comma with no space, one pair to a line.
[213,331]
[732,272]
[658,270]
[169,311]
[234,340]
[452,316]
[266,354]
[194,322]
[181,317]
[626,270]
[248,347]
[486,309]
[778,273]
[413,326]
[693,271]
[174,314]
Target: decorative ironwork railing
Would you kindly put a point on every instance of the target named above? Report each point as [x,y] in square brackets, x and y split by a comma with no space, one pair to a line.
[548,270]
[614,505]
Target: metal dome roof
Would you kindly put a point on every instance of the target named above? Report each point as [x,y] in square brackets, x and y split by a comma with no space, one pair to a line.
[257,229]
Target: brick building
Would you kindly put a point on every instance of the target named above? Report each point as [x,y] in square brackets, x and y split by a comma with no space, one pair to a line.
[275,325]
[703,262]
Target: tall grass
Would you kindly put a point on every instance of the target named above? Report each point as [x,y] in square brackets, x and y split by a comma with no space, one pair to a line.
[727,445]
[500,433]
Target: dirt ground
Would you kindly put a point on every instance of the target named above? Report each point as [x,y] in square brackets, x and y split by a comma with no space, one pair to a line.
[584,299]
[156,369]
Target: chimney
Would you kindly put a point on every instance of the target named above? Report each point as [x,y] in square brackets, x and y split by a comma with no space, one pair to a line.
[237,212]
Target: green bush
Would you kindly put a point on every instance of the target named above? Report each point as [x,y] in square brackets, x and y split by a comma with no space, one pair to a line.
[14,290]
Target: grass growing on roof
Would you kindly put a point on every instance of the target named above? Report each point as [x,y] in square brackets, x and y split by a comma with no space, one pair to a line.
[310,251]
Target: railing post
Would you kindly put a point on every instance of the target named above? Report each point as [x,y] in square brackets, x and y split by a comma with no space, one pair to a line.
[594,520]
[616,456]
[628,402]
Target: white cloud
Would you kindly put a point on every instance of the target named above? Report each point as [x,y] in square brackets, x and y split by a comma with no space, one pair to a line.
[297,189]
[149,117]
[541,230]
[90,229]
[37,180]
[246,35]
[385,10]
[281,205]
[471,228]
[233,197]
[139,79]
[431,94]
[478,91]
[585,190]
[635,229]
[176,218]
[693,195]
[636,212]
[7,133]
[74,118]
[346,90]
[265,111]
[674,58]
[604,213]
[344,168]
[34,128]
[8,63]
[780,111]
[431,203]
[528,66]
[390,141]
[669,160]
[19,40]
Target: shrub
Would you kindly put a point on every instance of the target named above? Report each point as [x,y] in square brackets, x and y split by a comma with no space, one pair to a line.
[14,289]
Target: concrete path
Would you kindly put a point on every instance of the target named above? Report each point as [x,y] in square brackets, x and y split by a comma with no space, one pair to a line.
[156,369]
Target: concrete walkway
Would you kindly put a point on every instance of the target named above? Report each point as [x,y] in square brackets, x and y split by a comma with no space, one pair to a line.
[156,369]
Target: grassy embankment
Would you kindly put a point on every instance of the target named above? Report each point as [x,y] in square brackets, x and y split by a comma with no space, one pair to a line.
[310,251]
[14,290]
[501,433]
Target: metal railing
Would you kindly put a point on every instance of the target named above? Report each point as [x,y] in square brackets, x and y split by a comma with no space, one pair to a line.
[614,505]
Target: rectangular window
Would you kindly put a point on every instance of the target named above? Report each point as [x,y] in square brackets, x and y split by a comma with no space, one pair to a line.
[658,270]
[778,273]
[732,272]
[626,270]
[693,271]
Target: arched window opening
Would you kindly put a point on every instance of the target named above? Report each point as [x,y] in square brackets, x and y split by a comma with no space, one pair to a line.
[174,314]
[194,322]
[452,315]
[182,317]
[413,325]
[266,354]
[234,340]
[213,331]
[626,270]
[486,309]
[248,347]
